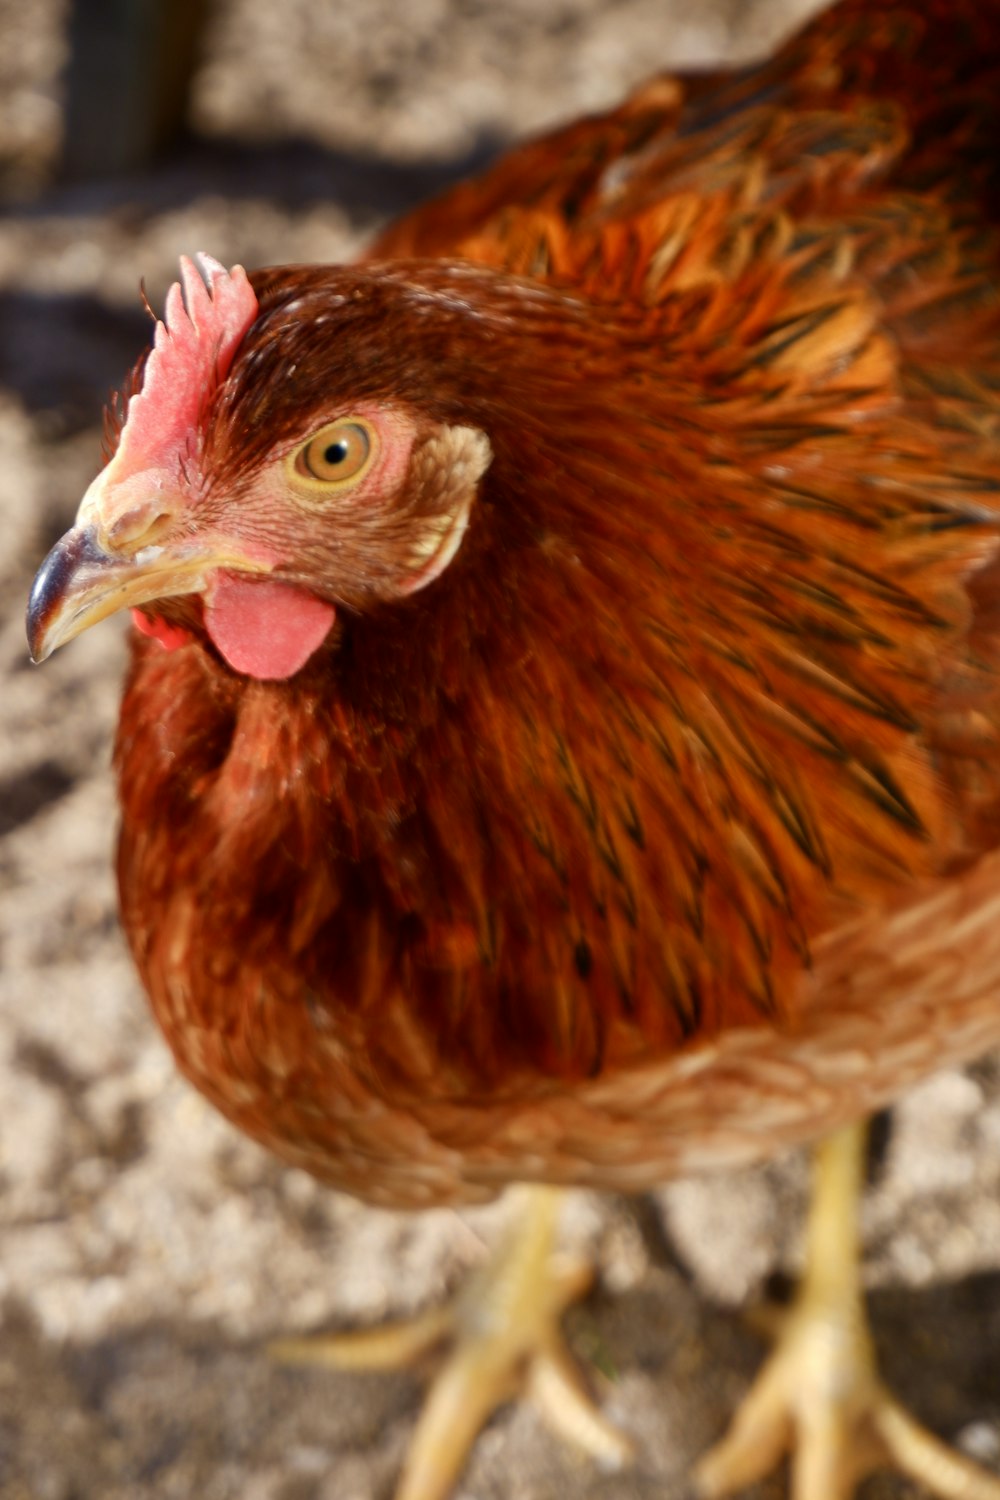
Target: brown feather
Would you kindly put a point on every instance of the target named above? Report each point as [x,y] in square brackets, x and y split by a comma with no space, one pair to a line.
[549,870]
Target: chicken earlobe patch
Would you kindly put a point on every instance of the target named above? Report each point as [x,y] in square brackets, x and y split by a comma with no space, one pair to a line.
[448,469]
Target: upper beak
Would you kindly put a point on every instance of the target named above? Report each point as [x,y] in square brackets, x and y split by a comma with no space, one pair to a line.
[80,583]
[127,549]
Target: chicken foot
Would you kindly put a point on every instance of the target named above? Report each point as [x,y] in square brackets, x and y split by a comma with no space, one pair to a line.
[503,1326]
[820,1394]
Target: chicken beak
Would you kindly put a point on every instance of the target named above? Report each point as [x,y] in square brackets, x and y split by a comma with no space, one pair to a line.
[80,583]
[123,552]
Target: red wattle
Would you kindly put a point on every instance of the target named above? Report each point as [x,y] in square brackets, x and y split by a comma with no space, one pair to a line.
[264,628]
[169,636]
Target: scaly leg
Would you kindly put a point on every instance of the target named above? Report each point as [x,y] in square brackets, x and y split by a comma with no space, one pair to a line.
[819,1394]
[504,1331]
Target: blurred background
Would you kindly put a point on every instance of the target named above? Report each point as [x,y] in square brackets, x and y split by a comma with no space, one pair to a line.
[146,1251]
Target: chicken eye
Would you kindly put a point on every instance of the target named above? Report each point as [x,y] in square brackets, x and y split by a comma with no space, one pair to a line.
[339,452]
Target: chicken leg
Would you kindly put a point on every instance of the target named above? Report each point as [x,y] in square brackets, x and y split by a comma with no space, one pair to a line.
[504,1329]
[820,1394]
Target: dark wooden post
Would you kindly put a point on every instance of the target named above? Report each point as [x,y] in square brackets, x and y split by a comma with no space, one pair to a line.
[129,70]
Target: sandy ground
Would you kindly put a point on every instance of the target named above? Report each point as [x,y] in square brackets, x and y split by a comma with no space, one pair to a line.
[148,1252]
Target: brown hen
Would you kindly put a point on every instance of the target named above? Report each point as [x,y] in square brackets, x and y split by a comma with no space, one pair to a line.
[561,744]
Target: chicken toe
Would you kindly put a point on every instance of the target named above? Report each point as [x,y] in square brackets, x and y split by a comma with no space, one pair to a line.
[819,1396]
[504,1336]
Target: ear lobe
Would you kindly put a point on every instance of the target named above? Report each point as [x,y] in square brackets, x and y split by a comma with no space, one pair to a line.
[471,450]
[449,468]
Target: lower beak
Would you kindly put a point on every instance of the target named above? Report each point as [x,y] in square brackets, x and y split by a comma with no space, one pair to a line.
[80,583]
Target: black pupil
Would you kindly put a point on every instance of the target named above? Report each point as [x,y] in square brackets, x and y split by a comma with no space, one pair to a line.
[335,453]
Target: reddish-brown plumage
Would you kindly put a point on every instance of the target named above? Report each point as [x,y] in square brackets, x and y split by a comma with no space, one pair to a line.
[643,837]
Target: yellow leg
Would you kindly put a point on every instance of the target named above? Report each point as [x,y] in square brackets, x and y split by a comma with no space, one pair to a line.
[819,1395]
[504,1330]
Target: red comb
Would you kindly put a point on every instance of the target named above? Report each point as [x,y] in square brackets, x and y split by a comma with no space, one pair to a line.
[205,316]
